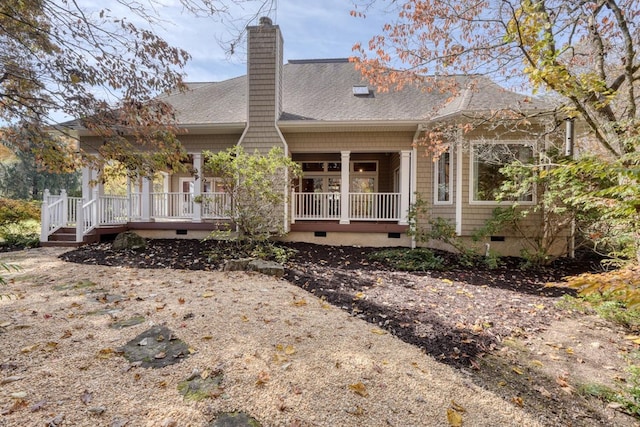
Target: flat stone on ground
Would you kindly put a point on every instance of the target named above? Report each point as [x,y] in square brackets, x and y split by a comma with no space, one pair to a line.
[270,268]
[234,419]
[238,264]
[156,348]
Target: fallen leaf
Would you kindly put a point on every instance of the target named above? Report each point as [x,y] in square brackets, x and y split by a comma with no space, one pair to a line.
[207,295]
[38,405]
[16,405]
[19,395]
[457,407]
[360,389]
[299,302]
[105,353]
[517,400]
[544,392]
[244,318]
[537,363]
[263,378]
[207,337]
[357,411]
[379,331]
[289,350]
[454,418]
[517,370]
[86,397]
[29,348]
[359,295]
[181,300]
[67,334]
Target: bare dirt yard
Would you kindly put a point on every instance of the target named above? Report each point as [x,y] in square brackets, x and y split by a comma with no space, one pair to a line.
[339,341]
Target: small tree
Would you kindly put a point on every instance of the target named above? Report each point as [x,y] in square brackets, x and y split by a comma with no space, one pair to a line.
[258,186]
[23,178]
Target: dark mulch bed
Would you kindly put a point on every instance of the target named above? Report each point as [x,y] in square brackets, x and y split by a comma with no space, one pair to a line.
[455,315]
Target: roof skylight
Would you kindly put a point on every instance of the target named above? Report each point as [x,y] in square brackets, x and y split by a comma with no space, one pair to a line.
[360,90]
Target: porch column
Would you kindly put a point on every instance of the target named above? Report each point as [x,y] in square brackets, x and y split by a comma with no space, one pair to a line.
[146,199]
[344,187]
[87,176]
[405,186]
[197,187]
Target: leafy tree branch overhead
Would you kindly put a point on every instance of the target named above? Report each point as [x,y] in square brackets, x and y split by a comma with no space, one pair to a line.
[60,58]
[584,51]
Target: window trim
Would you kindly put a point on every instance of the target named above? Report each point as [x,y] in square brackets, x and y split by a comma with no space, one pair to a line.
[436,175]
[472,163]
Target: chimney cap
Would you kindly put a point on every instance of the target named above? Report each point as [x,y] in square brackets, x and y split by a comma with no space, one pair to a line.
[266,21]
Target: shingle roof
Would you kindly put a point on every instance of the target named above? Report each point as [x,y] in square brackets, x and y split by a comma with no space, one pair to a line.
[322,90]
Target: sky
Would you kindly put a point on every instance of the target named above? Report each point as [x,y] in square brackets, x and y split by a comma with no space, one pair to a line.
[311,29]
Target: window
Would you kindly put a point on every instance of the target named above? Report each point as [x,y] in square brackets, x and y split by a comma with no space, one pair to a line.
[364,177]
[320,177]
[486,161]
[443,178]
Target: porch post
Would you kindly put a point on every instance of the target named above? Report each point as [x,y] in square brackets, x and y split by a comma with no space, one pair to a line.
[97,208]
[405,186]
[129,198]
[344,187]
[44,217]
[65,207]
[146,199]
[197,187]
[87,173]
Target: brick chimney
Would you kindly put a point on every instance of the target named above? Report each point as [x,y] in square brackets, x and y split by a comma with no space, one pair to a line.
[264,79]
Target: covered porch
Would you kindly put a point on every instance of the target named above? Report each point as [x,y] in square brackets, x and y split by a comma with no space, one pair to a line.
[378,195]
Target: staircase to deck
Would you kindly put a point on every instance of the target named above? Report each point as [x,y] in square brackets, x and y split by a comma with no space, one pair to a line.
[66,236]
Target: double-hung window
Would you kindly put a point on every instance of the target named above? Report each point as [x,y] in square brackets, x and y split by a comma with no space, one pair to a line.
[443,178]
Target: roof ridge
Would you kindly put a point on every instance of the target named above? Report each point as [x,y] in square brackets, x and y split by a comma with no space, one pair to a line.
[319,61]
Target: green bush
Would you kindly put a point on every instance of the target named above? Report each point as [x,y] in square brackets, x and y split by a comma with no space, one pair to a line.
[15,211]
[19,222]
[419,259]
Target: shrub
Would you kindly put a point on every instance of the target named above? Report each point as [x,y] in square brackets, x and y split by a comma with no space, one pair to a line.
[621,285]
[420,259]
[15,211]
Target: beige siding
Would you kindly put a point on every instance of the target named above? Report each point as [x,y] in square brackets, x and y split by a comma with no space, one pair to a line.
[199,143]
[318,142]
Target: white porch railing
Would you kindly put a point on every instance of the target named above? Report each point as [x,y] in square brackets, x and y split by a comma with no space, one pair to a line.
[171,205]
[180,206]
[362,206]
[57,211]
[215,205]
[374,206]
[316,206]
[63,211]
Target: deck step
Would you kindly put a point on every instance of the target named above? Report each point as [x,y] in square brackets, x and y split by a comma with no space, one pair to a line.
[66,237]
